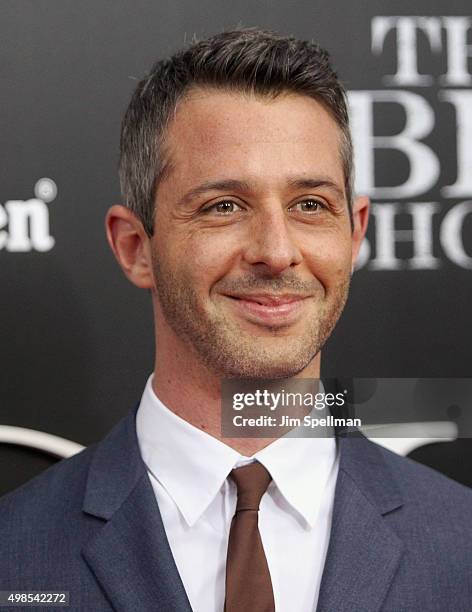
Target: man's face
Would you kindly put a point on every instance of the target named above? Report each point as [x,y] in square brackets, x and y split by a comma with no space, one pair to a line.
[252,247]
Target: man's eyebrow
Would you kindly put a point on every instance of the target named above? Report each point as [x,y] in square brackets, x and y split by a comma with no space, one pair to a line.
[243,186]
[222,185]
[315,183]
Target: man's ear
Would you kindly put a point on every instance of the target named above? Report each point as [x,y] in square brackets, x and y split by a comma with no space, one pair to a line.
[360,217]
[130,245]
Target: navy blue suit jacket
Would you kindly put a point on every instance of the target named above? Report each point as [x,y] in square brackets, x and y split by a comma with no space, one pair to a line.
[401,538]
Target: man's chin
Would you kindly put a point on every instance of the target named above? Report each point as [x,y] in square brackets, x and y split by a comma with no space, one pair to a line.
[264,369]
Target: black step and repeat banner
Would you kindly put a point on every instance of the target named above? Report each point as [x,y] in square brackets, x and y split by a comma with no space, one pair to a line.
[77,338]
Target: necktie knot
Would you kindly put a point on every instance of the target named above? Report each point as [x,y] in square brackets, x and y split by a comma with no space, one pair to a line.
[251,481]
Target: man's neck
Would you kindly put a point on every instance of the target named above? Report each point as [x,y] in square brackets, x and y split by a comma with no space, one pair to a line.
[193,393]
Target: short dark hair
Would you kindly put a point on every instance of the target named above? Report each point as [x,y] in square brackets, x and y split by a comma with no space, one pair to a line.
[248,60]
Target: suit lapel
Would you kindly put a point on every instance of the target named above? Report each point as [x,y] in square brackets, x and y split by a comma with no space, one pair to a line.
[363,553]
[130,555]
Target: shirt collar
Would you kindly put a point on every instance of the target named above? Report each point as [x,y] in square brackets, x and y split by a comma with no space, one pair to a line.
[192,465]
[301,469]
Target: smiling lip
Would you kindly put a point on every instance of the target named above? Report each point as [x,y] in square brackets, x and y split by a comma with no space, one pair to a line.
[269,308]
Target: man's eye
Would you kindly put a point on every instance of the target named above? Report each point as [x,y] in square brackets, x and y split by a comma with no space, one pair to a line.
[310,205]
[224,207]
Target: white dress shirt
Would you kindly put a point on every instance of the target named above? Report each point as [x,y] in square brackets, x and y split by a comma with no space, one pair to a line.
[188,470]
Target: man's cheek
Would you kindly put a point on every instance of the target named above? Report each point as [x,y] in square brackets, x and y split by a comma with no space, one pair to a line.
[212,260]
[329,262]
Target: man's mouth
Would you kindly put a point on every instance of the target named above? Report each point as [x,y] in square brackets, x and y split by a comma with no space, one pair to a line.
[269,308]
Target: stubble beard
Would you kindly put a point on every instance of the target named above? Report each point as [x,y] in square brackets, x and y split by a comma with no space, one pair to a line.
[227,349]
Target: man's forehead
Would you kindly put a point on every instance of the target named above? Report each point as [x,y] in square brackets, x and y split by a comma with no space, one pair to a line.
[212,126]
[209,114]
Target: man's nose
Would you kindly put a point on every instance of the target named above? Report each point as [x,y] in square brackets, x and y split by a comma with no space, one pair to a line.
[272,242]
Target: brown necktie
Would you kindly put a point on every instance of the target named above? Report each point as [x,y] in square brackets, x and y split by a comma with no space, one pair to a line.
[248,583]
